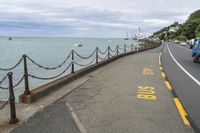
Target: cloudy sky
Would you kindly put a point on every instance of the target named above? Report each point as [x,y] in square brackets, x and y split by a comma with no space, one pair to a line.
[90,18]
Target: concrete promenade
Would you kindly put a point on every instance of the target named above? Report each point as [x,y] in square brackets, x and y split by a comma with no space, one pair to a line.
[125,96]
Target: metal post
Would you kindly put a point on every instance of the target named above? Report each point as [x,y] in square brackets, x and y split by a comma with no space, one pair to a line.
[108,52]
[124,48]
[13,118]
[72,61]
[26,83]
[131,47]
[97,55]
[117,50]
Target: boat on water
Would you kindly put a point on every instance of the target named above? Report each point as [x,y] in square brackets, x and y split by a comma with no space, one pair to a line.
[78,44]
[139,36]
[126,38]
[10,38]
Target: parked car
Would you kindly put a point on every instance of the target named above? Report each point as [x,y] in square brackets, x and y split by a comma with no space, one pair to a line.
[183,43]
[177,41]
[196,50]
[191,43]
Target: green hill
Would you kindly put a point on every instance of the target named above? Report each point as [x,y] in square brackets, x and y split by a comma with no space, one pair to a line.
[195,15]
[188,30]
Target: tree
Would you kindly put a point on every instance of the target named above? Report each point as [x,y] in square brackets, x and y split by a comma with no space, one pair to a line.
[181,38]
[198,31]
[198,34]
[172,36]
[162,36]
[195,15]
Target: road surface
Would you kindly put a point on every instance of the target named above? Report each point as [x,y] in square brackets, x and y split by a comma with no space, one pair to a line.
[184,76]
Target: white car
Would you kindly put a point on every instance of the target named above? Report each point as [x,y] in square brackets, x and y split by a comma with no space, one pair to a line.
[177,41]
[183,43]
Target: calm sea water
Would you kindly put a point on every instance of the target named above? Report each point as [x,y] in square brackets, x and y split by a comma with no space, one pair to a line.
[48,52]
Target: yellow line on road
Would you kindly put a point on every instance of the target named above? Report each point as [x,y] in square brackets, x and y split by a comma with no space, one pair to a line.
[163,74]
[178,104]
[181,111]
[161,68]
[168,85]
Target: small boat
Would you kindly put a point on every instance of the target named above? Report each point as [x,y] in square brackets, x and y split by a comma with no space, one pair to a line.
[78,44]
[10,38]
[126,38]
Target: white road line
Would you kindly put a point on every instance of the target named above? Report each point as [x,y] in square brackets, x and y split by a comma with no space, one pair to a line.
[75,118]
[192,77]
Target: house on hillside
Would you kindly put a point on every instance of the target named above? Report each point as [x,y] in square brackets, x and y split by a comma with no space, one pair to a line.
[174,29]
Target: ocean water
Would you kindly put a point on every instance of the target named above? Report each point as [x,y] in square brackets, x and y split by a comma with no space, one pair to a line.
[47,52]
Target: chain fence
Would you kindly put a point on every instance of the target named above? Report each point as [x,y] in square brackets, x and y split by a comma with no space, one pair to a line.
[113,50]
[50,68]
[1,82]
[87,57]
[53,77]
[102,55]
[11,68]
[102,52]
[8,78]
[84,65]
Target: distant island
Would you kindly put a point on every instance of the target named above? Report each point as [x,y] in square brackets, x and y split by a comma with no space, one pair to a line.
[186,31]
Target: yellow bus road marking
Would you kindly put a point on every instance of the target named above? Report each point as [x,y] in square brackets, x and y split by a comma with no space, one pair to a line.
[148,71]
[181,111]
[163,74]
[146,92]
[168,85]
[147,97]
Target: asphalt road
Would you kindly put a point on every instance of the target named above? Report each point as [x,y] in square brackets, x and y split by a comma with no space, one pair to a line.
[184,76]
[127,96]
[52,119]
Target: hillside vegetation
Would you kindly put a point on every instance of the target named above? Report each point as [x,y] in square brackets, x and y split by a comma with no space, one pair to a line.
[186,31]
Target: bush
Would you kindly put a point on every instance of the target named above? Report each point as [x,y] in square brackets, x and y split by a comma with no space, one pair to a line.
[198,34]
[162,36]
[181,38]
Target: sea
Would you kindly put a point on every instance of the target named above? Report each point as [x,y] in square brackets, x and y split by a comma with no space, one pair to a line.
[49,52]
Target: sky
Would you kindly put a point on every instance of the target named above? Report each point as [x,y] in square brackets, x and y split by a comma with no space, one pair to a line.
[90,18]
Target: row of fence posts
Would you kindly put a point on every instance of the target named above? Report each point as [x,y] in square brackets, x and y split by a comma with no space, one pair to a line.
[13,118]
[72,65]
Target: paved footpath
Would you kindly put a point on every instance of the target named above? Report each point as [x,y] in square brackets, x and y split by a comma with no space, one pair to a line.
[127,96]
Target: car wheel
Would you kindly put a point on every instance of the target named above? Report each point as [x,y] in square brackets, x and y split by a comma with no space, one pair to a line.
[196,58]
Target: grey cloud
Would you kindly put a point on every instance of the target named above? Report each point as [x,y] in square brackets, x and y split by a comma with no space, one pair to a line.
[89,19]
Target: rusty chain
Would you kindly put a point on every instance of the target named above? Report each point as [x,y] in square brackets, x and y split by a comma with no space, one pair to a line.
[42,78]
[50,68]
[121,48]
[14,86]
[113,50]
[102,52]
[83,65]
[11,68]
[4,104]
[3,79]
[19,82]
[85,57]
[106,57]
